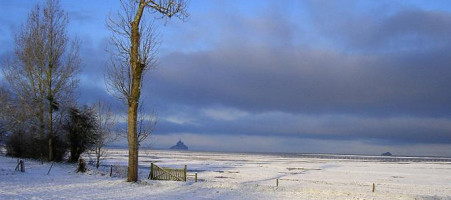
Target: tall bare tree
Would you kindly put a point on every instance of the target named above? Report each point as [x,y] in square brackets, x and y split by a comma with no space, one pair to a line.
[45,63]
[135,46]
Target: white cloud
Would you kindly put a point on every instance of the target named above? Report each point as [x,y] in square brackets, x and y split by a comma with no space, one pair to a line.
[179,120]
[227,114]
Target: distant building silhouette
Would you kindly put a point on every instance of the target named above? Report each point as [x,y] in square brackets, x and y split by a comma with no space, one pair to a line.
[179,146]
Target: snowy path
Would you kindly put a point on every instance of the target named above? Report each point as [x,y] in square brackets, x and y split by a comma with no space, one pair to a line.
[232,176]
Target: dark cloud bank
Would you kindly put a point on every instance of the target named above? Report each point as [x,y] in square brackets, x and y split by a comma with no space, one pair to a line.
[384,80]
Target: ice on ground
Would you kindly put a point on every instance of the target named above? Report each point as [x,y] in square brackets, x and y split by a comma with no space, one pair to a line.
[231,176]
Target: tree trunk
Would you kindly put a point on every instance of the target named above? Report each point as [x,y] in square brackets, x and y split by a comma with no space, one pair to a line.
[137,69]
[50,92]
[73,152]
[50,132]
[41,131]
[98,154]
[132,143]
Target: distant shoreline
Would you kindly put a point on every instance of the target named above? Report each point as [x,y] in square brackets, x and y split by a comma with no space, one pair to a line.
[363,157]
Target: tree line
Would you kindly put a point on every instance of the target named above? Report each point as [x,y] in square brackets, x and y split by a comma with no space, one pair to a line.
[40,117]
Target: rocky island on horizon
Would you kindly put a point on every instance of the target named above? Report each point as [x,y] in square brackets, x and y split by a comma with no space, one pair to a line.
[179,146]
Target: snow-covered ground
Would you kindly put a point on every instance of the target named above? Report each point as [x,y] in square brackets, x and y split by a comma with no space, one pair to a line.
[231,176]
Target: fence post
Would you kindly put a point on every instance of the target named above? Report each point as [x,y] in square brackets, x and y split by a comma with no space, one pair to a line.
[22,166]
[374,187]
[277,182]
[195,177]
[111,170]
[185,173]
[50,168]
[150,173]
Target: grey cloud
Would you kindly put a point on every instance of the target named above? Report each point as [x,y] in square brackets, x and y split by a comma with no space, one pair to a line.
[396,28]
[300,81]
[267,71]
[397,97]
[410,29]
[373,130]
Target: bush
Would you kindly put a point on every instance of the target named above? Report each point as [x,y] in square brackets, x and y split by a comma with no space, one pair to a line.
[81,165]
[59,148]
[14,145]
[22,145]
[77,134]
[25,145]
[81,133]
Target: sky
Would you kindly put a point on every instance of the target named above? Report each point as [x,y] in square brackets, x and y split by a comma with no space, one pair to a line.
[320,76]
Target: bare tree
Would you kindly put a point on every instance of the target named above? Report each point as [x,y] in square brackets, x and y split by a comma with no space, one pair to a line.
[42,71]
[134,40]
[106,123]
[24,72]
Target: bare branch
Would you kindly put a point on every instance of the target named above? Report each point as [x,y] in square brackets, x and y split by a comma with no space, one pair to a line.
[146,124]
[169,8]
[119,74]
[106,124]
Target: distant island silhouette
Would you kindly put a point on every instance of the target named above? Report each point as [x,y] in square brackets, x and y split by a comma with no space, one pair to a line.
[386,154]
[179,146]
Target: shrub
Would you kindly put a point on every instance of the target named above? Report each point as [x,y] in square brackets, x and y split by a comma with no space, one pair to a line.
[24,145]
[81,134]
[59,148]
[81,165]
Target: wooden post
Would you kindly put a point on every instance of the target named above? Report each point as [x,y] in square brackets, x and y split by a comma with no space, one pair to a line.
[50,168]
[195,177]
[185,173]
[277,182]
[150,173]
[374,187]
[111,170]
[22,166]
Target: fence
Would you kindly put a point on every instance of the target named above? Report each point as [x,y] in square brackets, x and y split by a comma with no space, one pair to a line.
[115,170]
[160,173]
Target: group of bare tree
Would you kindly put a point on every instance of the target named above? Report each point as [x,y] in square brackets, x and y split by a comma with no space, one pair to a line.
[42,77]
[42,74]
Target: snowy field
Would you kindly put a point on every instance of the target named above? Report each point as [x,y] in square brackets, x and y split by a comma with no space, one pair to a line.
[231,176]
